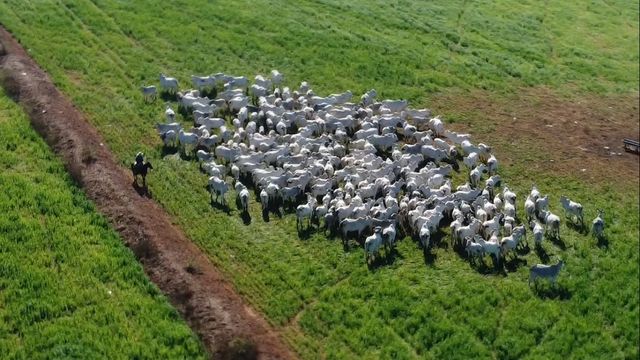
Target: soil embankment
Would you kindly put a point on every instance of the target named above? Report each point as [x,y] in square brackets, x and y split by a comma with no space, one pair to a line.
[208,302]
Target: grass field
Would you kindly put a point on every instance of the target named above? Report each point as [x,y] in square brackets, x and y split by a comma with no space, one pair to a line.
[325,301]
[68,286]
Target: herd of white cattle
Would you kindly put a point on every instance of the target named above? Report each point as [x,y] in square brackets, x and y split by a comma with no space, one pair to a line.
[363,168]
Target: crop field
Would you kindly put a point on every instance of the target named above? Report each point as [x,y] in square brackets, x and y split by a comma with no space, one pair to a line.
[325,301]
[68,286]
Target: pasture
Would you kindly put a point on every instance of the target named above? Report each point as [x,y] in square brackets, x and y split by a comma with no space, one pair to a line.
[69,288]
[325,301]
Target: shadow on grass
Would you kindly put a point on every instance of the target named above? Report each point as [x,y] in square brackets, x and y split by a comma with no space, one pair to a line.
[557,241]
[439,240]
[389,258]
[142,190]
[429,256]
[244,215]
[167,96]
[220,206]
[305,232]
[580,228]
[603,242]
[480,266]
[542,254]
[168,150]
[513,264]
[551,292]
[523,250]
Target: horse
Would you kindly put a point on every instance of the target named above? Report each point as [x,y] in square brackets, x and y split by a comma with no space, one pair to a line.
[140,168]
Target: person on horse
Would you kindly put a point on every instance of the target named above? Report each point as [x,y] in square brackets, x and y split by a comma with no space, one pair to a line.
[140,167]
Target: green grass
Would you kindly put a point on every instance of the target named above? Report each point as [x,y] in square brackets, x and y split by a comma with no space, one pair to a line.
[69,288]
[326,302]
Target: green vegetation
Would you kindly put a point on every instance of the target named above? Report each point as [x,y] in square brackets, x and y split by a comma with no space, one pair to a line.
[69,288]
[326,301]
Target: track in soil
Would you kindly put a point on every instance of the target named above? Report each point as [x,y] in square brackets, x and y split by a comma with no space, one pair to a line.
[206,300]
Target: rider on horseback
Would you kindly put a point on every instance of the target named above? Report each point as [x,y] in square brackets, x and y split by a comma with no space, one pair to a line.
[140,168]
[139,158]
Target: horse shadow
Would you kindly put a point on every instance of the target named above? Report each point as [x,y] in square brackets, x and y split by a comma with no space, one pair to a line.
[552,292]
[542,254]
[142,190]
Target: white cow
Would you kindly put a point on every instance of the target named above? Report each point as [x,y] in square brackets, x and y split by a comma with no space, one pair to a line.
[572,209]
[149,93]
[168,84]
[597,225]
[219,187]
[549,272]
[372,244]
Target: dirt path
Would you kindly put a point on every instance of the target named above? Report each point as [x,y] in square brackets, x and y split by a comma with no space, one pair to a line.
[207,301]
[580,136]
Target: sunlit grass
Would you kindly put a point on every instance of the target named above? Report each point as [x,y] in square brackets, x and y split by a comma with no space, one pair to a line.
[69,288]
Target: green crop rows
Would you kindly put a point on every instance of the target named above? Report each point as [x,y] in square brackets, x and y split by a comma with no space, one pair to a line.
[69,288]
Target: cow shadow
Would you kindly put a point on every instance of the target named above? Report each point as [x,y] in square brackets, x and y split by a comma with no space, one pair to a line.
[168,150]
[557,241]
[513,264]
[580,228]
[550,292]
[211,93]
[246,217]
[142,190]
[388,259]
[187,156]
[496,268]
[168,96]
[603,242]
[542,254]
[429,256]
[523,250]
[219,206]
[305,232]
[439,240]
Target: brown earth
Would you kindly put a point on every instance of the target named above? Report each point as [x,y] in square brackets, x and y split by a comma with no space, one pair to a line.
[580,135]
[206,300]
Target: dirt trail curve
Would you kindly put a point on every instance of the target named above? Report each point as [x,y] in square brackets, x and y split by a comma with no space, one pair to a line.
[194,286]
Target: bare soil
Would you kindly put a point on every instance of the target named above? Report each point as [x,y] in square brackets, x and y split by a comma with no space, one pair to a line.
[206,300]
[579,136]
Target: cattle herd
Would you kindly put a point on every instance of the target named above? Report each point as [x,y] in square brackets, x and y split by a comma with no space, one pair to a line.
[369,170]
